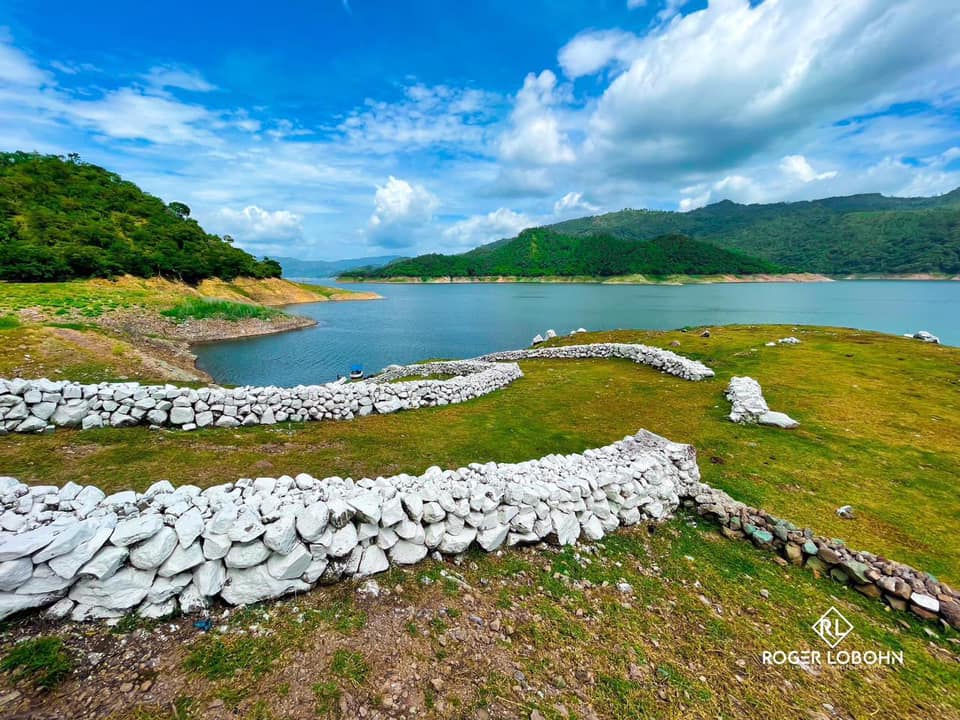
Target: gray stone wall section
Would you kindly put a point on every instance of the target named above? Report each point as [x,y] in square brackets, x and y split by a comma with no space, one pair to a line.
[900,586]
[40,405]
[84,554]
[664,360]
[34,406]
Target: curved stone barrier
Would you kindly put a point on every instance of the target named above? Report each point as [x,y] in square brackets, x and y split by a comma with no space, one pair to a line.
[747,405]
[33,406]
[900,586]
[40,405]
[94,556]
[663,360]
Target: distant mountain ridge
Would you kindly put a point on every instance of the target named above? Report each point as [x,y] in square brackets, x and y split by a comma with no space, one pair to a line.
[542,252]
[869,233]
[855,234]
[294,267]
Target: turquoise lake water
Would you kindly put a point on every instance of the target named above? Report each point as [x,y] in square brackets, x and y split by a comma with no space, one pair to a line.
[414,322]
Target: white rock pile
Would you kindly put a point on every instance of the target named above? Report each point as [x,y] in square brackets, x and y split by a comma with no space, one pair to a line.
[748,406]
[924,336]
[40,405]
[664,360]
[85,554]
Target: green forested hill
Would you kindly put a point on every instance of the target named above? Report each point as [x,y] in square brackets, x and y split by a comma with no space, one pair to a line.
[540,252]
[868,234]
[838,235]
[61,219]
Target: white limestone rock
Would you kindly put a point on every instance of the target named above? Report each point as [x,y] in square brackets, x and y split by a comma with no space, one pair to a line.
[181,560]
[189,526]
[455,543]
[26,543]
[216,546]
[407,553]
[343,541]
[105,563]
[249,585]
[11,603]
[122,590]
[291,565]
[246,527]
[566,526]
[245,555]
[209,577]
[133,530]
[155,611]
[152,552]
[312,521]
[778,419]
[281,536]
[14,573]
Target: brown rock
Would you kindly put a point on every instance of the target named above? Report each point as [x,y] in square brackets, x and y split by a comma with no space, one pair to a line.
[895,602]
[794,553]
[818,566]
[828,555]
[950,611]
[868,589]
[920,612]
[731,534]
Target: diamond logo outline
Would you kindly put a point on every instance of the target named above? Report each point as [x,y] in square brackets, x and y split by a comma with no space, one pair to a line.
[832,627]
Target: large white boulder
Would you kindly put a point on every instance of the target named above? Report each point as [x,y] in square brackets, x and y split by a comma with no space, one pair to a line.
[133,530]
[245,555]
[124,589]
[250,585]
[14,573]
[281,536]
[181,560]
[17,546]
[152,552]
[290,565]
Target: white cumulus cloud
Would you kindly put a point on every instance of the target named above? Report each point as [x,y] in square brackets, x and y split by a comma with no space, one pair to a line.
[573,202]
[254,224]
[797,167]
[715,86]
[401,210]
[480,229]
[535,136]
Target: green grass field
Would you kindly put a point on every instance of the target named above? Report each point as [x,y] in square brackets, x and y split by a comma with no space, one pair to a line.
[879,418]
[212,308]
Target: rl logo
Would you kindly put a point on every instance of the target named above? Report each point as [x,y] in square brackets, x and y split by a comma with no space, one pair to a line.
[832,627]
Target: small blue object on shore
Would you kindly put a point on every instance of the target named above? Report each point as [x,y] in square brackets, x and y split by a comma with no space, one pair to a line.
[356,372]
[204,624]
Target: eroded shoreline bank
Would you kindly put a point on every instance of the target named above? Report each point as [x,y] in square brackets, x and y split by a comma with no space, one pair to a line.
[644,280]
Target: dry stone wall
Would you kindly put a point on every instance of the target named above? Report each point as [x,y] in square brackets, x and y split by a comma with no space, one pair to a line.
[663,360]
[85,554]
[39,405]
[900,586]
[34,406]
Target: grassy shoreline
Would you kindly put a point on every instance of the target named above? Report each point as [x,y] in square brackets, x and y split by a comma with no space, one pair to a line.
[142,327]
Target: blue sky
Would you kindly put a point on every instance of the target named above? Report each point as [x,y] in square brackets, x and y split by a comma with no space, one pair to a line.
[329,129]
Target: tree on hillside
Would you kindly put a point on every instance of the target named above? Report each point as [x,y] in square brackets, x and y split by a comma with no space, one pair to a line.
[61,219]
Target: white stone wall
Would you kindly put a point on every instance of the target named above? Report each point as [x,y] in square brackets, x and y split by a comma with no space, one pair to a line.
[748,406]
[88,555]
[33,406]
[39,405]
[664,360]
